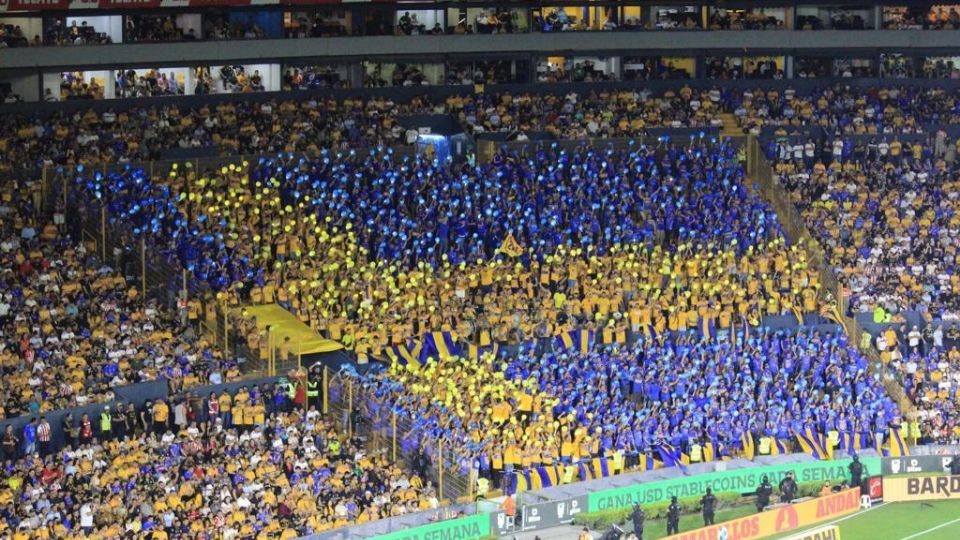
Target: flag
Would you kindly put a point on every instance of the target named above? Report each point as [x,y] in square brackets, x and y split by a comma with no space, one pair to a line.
[475,352]
[585,341]
[547,476]
[441,343]
[707,328]
[832,312]
[749,450]
[585,471]
[777,447]
[406,354]
[709,452]
[797,312]
[849,441]
[601,467]
[897,448]
[673,457]
[510,246]
[564,341]
[811,444]
[864,439]
[647,463]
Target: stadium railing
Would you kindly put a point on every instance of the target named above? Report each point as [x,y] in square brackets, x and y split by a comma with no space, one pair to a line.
[760,171]
[391,432]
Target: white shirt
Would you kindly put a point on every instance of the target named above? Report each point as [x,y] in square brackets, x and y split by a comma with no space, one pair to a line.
[86,516]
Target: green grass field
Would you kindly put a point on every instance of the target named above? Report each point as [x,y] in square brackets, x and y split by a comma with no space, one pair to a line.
[931,520]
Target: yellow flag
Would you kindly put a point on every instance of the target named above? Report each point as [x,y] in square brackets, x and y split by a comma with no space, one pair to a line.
[510,246]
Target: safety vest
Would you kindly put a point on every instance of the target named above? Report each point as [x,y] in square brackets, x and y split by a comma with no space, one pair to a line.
[312,389]
[696,453]
[764,446]
[291,390]
[105,422]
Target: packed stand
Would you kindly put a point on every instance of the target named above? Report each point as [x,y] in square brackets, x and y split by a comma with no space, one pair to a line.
[75,328]
[544,408]
[345,220]
[239,127]
[603,113]
[308,125]
[884,211]
[929,371]
[253,464]
[846,109]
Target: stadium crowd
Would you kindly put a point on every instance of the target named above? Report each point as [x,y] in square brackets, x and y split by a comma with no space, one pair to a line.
[413,243]
[254,464]
[884,211]
[251,127]
[74,328]
[543,408]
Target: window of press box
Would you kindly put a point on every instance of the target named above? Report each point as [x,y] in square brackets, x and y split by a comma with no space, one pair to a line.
[167,27]
[418,22]
[561,18]
[834,18]
[936,17]
[21,31]
[941,67]
[896,66]
[74,85]
[318,23]
[494,20]
[381,74]
[748,67]
[645,68]
[322,76]
[578,69]
[84,30]
[238,79]
[224,23]
[815,67]
[487,72]
[771,18]
[677,17]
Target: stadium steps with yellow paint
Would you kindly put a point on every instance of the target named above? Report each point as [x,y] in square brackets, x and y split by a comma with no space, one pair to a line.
[730,128]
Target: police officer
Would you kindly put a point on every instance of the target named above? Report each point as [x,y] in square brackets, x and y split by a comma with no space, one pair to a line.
[764,490]
[673,517]
[639,517]
[708,504]
[788,488]
[856,471]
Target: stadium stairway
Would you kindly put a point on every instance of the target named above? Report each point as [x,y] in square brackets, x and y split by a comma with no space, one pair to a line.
[730,128]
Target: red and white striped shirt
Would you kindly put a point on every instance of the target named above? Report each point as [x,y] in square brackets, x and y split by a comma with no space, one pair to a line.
[43,432]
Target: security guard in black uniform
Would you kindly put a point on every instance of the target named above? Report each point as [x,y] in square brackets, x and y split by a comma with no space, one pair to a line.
[673,517]
[764,491]
[639,517]
[708,504]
